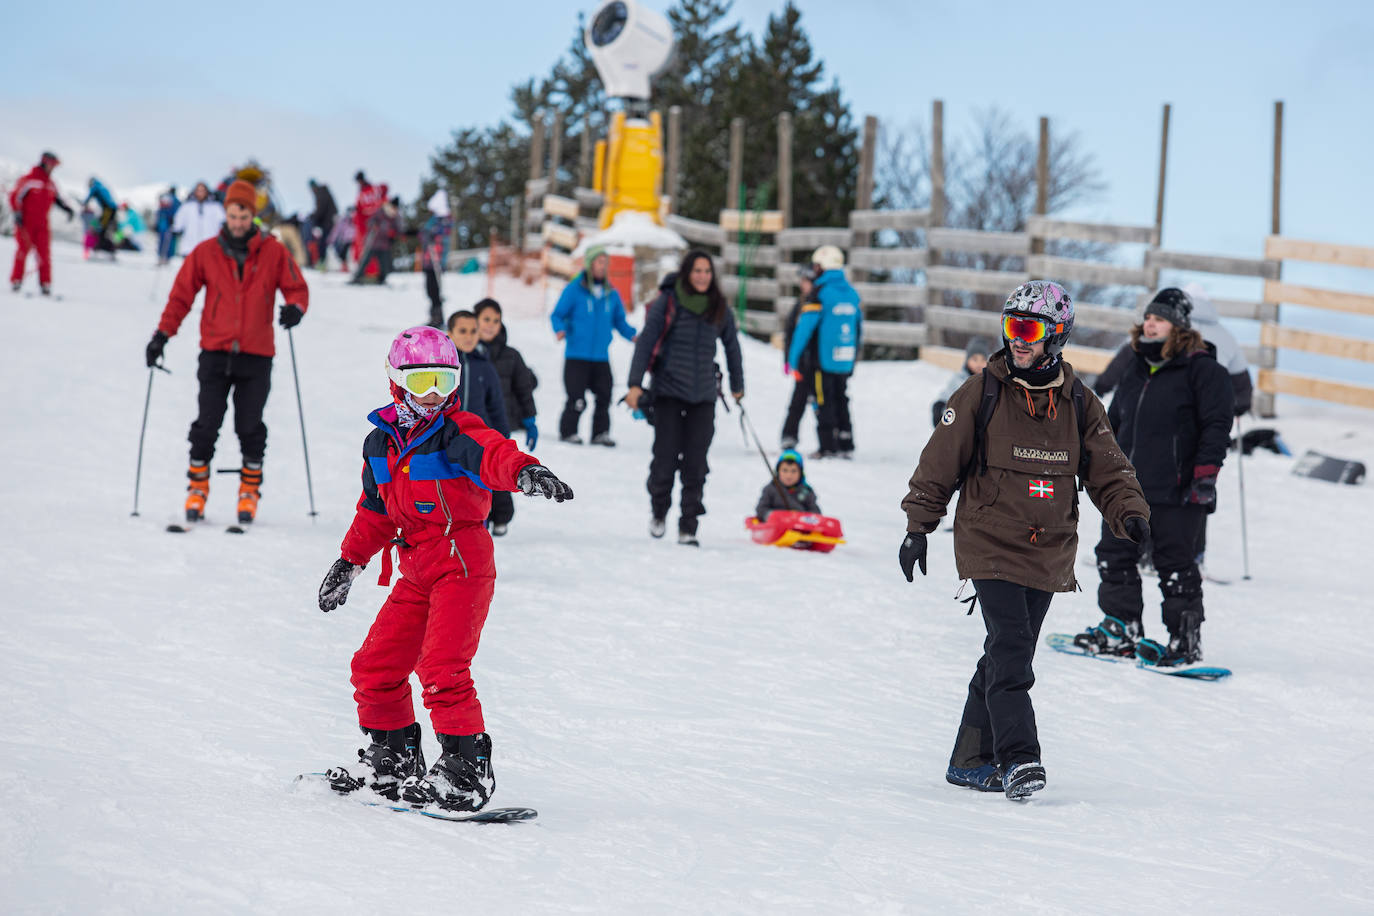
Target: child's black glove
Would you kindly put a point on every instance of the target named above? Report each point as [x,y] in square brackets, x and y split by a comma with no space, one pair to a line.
[337,582]
[912,551]
[535,479]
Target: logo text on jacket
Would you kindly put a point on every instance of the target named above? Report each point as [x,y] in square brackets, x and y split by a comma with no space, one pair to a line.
[1047,456]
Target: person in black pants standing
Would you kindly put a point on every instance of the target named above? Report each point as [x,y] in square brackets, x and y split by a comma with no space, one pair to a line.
[678,346]
[803,390]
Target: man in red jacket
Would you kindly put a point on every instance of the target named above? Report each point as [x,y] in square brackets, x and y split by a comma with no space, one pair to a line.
[370,200]
[241,270]
[30,200]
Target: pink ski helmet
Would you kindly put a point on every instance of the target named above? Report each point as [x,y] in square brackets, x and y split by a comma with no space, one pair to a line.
[1047,301]
[420,348]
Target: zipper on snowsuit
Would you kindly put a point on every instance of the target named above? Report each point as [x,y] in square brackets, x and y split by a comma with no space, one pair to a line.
[448,527]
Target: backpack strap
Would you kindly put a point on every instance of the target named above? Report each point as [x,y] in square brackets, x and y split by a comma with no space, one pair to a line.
[1080,412]
[669,310]
[978,462]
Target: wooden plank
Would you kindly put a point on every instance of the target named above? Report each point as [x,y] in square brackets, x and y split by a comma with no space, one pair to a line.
[1103,317]
[968,321]
[760,321]
[951,358]
[589,199]
[1276,335]
[895,333]
[536,188]
[1042,226]
[1088,359]
[1358,303]
[698,232]
[750,221]
[760,288]
[891,293]
[1156,259]
[560,264]
[874,220]
[564,207]
[1013,243]
[1272,381]
[1052,268]
[1279,248]
[889,258]
[761,256]
[808,238]
[534,217]
[991,282]
[562,236]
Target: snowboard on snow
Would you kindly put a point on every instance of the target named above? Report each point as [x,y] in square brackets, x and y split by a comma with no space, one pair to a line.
[1063,642]
[371,800]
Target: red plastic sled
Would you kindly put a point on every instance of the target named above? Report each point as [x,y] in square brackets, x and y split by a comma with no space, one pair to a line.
[802,530]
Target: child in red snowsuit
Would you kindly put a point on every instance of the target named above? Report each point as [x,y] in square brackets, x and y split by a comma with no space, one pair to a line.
[428,472]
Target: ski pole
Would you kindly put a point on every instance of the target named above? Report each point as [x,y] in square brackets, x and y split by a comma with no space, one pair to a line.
[147,399]
[305,449]
[1240,475]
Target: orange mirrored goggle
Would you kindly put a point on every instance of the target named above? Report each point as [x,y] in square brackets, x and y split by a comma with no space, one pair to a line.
[1031,330]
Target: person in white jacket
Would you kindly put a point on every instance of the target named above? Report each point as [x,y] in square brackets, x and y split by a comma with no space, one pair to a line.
[198,219]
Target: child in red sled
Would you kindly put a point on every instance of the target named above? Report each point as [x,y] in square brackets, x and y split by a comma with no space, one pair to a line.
[428,472]
[788,491]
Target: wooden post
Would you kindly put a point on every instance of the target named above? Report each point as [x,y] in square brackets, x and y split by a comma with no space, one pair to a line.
[1159,192]
[1264,400]
[555,151]
[1042,181]
[785,168]
[736,164]
[674,155]
[584,156]
[864,192]
[537,147]
[937,205]
[517,230]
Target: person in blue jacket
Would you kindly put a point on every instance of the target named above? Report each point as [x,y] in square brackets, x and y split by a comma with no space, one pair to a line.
[108,209]
[167,206]
[585,315]
[828,332]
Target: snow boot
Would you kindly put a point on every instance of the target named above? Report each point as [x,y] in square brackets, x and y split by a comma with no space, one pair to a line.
[985,778]
[1113,636]
[1185,647]
[657,526]
[45,289]
[603,439]
[688,539]
[498,529]
[197,491]
[788,442]
[250,484]
[571,439]
[460,780]
[1021,779]
[436,317]
[390,759]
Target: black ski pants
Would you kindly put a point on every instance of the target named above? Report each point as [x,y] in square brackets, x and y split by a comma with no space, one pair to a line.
[502,508]
[796,408]
[999,723]
[436,303]
[579,375]
[682,437]
[836,430]
[249,378]
[1174,532]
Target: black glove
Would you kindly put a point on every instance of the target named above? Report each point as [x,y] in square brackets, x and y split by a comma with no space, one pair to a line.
[535,479]
[154,350]
[337,582]
[290,316]
[912,551]
[1203,490]
[18,220]
[1137,529]
[70,216]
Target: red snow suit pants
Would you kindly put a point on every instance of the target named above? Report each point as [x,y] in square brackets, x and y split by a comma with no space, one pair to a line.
[430,624]
[36,238]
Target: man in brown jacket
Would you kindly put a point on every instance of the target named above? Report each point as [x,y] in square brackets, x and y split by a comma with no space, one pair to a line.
[1016,526]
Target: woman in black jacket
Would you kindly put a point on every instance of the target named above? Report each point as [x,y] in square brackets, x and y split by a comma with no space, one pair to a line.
[1172,417]
[678,347]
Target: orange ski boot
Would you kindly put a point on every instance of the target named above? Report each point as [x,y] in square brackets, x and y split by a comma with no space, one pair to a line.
[198,491]
[250,483]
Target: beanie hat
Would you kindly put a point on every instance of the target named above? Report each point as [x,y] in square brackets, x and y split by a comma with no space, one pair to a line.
[793,456]
[593,252]
[1173,305]
[977,345]
[243,194]
[49,156]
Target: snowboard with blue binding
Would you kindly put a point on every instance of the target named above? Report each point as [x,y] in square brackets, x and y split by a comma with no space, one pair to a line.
[1063,642]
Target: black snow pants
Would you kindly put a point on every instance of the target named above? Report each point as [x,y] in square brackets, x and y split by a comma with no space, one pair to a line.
[249,377]
[578,376]
[682,436]
[796,408]
[999,723]
[502,508]
[836,430]
[1174,534]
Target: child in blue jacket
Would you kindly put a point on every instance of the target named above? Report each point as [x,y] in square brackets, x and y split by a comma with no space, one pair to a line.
[585,315]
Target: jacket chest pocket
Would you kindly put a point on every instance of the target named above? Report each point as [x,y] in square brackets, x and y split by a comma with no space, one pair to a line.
[1035,478]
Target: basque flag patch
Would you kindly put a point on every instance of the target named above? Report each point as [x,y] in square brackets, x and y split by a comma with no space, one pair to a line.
[1042,489]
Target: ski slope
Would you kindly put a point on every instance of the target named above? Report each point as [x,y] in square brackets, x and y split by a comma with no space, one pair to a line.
[733,729]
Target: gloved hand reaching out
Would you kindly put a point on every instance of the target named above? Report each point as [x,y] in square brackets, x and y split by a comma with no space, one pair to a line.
[536,480]
[337,582]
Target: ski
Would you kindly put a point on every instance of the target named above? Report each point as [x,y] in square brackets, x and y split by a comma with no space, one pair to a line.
[178,528]
[235,529]
[1063,642]
[506,815]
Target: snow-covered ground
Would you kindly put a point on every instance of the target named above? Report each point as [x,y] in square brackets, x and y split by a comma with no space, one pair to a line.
[734,729]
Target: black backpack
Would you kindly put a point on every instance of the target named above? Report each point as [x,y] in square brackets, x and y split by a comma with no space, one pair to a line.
[992,389]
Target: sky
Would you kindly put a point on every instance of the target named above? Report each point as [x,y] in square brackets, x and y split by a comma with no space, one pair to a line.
[139,94]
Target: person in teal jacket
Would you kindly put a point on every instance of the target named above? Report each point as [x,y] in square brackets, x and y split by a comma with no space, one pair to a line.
[828,333]
[585,316]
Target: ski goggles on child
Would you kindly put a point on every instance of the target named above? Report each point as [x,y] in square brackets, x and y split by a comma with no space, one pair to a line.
[422,380]
[1021,327]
